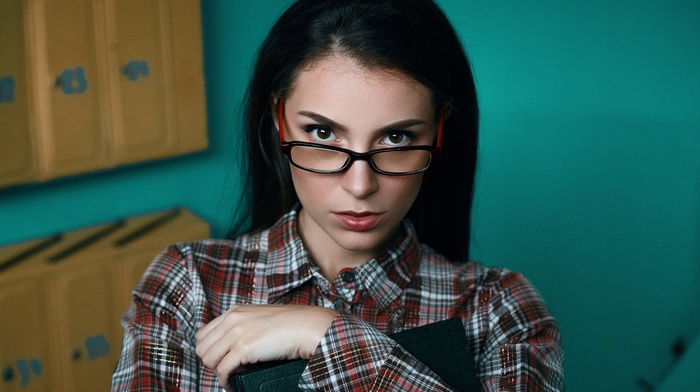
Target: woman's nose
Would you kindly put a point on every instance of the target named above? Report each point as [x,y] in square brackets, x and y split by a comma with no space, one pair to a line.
[360,180]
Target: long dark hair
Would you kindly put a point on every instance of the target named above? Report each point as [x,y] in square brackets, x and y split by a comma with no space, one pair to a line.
[411,36]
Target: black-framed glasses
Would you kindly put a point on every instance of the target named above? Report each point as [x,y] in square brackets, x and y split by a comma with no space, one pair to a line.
[323,159]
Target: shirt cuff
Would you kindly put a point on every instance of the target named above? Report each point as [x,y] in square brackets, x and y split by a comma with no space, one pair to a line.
[350,353]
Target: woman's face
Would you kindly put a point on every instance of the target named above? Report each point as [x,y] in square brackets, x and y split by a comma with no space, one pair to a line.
[338,102]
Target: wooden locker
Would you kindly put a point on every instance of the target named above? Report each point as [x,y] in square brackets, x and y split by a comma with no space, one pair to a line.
[24,354]
[140,74]
[26,363]
[158,94]
[17,163]
[64,296]
[188,68]
[87,85]
[89,347]
[69,86]
[84,343]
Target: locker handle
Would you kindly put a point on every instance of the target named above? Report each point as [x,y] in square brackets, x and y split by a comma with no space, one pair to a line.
[147,228]
[135,69]
[86,242]
[72,81]
[30,252]
[7,89]
[8,374]
[76,355]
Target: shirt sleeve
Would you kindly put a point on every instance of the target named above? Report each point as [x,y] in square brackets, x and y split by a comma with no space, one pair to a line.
[522,348]
[353,356]
[157,353]
[517,341]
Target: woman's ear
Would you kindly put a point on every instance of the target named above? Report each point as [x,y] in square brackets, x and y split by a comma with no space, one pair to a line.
[447,109]
[274,109]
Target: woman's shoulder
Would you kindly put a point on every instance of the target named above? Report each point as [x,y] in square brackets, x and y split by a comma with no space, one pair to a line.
[501,289]
[243,249]
[211,256]
[471,272]
[211,266]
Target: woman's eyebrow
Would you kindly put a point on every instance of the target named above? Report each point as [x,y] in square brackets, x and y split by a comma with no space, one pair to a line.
[401,124]
[322,120]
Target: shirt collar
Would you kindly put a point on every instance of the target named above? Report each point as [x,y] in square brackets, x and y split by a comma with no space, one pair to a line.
[387,276]
[288,265]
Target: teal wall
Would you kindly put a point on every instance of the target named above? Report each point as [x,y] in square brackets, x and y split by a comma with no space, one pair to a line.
[590,174]
[589,180]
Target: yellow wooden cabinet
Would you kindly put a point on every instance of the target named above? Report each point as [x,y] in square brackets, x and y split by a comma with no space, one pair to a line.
[93,84]
[65,296]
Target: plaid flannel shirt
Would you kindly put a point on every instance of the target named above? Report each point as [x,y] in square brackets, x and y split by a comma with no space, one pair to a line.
[512,336]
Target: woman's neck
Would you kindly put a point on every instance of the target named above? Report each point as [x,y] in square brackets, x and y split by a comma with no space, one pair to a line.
[327,254]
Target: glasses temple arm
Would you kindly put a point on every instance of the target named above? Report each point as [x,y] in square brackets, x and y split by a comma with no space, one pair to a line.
[440,126]
[280,118]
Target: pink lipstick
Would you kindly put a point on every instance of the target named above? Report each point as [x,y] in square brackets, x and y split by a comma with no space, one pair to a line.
[358,221]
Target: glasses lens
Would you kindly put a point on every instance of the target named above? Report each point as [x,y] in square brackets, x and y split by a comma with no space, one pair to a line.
[318,159]
[399,162]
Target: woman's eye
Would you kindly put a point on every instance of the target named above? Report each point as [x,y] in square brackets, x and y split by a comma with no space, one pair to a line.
[397,139]
[320,134]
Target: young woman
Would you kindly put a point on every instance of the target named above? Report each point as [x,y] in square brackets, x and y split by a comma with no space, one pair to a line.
[361,144]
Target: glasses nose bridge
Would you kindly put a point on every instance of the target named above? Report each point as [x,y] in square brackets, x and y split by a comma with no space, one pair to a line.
[361,156]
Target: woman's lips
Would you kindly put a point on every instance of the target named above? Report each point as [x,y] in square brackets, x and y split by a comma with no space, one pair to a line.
[358,221]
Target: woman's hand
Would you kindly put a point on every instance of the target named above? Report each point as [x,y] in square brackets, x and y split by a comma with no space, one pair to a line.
[248,334]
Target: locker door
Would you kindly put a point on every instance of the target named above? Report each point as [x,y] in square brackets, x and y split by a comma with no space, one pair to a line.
[25,351]
[89,348]
[188,68]
[140,79]
[69,88]
[16,153]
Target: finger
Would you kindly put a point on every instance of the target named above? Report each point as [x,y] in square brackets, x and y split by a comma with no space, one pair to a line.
[223,381]
[226,337]
[212,357]
[235,309]
[229,364]
[212,333]
[206,340]
[215,346]
[208,327]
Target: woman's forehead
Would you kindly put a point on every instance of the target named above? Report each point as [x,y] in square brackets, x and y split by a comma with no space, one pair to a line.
[342,80]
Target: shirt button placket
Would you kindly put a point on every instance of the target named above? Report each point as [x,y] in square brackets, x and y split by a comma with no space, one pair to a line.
[339,305]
